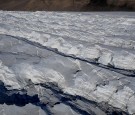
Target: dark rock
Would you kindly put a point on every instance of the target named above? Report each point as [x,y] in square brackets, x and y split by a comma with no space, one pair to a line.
[70,5]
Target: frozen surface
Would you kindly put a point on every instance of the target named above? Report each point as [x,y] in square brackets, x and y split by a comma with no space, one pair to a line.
[91,55]
[108,38]
[26,110]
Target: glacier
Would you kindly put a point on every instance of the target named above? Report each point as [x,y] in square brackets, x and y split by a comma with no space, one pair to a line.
[67,63]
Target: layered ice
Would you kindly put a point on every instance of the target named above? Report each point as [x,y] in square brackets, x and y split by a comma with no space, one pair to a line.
[86,54]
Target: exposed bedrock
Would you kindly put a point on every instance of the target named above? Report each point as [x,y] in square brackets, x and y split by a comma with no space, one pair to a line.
[122,3]
[75,5]
[43,4]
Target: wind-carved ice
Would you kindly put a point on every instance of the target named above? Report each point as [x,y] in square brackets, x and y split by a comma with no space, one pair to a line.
[85,35]
[87,54]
